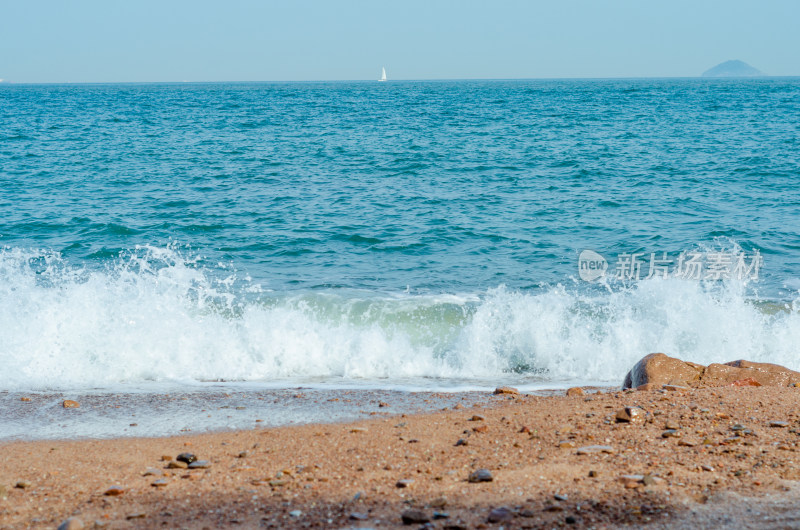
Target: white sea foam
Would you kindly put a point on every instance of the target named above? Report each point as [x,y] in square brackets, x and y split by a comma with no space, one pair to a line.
[155,316]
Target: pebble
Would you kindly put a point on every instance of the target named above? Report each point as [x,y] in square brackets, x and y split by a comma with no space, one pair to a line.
[414,517]
[672,425]
[631,415]
[671,433]
[560,497]
[357,430]
[358,516]
[382,404]
[114,491]
[69,404]
[186,457]
[166,458]
[441,515]
[72,523]
[575,391]
[438,502]
[631,481]
[160,483]
[686,443]
[590,449]
[200,464]
[500,514]
[137,515]
[24,399]
[244,454]
[506,390]
[779,424]
[593,473]
[675,388]
[481,475]
[566,444]
[173,464]
[295,513]
[461,441]
[152,471]
[404,483]
[476,418]
[23,484]
[481,428]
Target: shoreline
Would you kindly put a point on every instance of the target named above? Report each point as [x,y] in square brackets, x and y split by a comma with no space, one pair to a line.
[724,457]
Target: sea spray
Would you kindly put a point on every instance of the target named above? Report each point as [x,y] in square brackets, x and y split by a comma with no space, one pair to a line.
[156,315]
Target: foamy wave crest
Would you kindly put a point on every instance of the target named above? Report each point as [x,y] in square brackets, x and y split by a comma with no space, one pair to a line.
[154,315]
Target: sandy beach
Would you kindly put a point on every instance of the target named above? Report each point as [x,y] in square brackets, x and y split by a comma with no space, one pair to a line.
[689,458]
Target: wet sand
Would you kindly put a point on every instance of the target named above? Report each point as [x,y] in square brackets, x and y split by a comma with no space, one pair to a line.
[700,458]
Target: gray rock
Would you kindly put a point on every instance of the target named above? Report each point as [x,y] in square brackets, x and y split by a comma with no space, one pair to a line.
[414,517]
[186,457]
[499,515]
[200,464]
[481,475]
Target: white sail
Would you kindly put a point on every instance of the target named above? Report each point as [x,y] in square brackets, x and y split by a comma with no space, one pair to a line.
[383,75]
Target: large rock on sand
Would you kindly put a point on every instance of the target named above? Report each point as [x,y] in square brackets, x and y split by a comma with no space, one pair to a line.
[661,369]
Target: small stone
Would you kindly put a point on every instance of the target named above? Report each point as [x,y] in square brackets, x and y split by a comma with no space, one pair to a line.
[647,386]
[114,491]
[575,391]
[200,464]
[160,483]
[461,441]
[686,443]
[500,514]
[746,382]
[671,425]
[570,520]
[358,430]
[631,415]
[441,515]
[592,449]
[69,404]
[243,454]
[174,464]
[382,404]
[705,467]
[481,475]
[151,471]
[553,508]
[186,457]
[779,424]
[675,388]
[481,428]
[414,517]
[671,433]
[404,483]
[738,427]
[358,516]
[566,444]
[137,515]
[28,399]
[438,502]
[295,513]
[476,417]
[527,512]
[560,497]
[632,481]
[71,523]
[649,480]
[166,458]
[593,473]
[506,390]
[22,484]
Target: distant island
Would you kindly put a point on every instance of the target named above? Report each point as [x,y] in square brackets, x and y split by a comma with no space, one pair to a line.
[733,69]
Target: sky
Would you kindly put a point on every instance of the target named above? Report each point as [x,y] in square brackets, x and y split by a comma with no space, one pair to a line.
[304,40]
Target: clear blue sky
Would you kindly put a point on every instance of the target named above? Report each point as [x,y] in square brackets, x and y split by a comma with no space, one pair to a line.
[263,40]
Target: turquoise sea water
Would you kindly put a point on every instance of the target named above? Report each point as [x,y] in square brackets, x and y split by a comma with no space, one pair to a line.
[389,235]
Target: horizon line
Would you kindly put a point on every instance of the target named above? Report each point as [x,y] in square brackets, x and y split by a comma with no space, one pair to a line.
[576,78]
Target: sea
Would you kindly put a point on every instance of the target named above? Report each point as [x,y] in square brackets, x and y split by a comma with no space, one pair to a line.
[166,247]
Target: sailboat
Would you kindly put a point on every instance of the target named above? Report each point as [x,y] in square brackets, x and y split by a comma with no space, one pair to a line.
[383,74]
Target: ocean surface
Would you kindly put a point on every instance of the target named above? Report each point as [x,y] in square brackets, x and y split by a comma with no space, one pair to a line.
[394,236]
